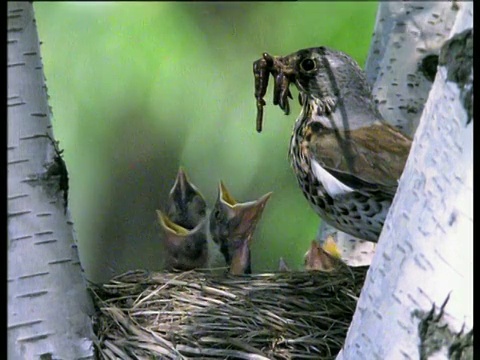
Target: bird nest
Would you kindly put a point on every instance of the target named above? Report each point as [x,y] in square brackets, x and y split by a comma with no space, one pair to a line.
[162,315]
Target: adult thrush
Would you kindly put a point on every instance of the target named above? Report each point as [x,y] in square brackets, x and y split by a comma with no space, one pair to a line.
[347,159]
[232,225]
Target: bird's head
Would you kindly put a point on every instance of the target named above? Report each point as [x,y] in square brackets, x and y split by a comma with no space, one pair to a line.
[333,89]
[186,249]
[186,205]
[231,220]
[322,258]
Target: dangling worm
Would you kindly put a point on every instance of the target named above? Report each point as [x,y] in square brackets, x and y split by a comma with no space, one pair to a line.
[261,70]
[281,92]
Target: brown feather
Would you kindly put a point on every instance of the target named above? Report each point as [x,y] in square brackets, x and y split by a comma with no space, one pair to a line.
[379,153]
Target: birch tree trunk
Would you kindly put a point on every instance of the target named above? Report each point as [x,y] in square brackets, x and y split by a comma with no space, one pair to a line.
[401,65]
[417,301]
[48,305]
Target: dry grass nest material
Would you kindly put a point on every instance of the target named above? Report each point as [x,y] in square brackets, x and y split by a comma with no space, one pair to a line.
[160,315]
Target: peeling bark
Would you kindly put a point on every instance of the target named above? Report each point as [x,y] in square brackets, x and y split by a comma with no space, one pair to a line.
[48,305]
[425,252]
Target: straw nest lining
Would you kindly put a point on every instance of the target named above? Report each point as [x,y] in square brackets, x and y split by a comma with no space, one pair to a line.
[160,315]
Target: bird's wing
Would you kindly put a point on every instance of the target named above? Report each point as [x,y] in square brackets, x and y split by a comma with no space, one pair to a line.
[371,158]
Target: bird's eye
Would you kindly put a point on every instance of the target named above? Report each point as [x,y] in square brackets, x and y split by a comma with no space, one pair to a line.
[316,126]
[307,65]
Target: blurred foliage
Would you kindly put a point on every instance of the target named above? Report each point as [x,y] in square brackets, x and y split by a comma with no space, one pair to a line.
[138,89]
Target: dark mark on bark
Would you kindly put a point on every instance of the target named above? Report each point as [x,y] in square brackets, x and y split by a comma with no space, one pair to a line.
[452,219]
[457,56]
[56,170]
[428,66]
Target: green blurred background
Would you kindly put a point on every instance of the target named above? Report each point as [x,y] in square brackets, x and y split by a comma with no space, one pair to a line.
[138,89]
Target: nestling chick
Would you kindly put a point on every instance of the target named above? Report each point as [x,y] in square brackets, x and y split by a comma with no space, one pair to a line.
[232,225]
[185,249]
[241,261]
[184,226]
[324,258]
[186,206]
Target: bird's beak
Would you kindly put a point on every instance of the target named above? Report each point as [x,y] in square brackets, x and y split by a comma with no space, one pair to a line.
[285,64]
[330,246]
[288,71]
[316,258]
[249,214]
[170,226]
[174,233]
[182,187]
[225,195]
[181,183]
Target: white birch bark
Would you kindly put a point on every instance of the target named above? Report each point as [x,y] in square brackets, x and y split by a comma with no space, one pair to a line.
[406,35]
[48,305]
[425,252]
